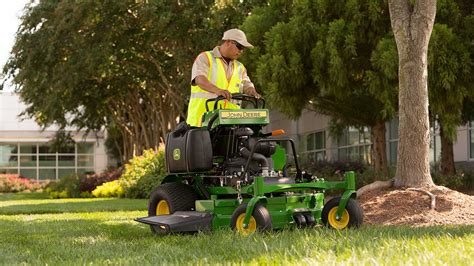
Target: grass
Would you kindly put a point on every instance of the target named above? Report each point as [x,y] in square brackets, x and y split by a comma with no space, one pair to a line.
[36,230]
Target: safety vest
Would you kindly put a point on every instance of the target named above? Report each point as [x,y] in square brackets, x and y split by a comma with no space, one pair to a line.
[217,76]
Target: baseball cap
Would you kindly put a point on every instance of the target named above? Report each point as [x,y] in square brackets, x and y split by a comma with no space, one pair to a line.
[238,36]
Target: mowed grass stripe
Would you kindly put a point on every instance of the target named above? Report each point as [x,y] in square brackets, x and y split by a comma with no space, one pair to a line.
[112,237]
[39,203]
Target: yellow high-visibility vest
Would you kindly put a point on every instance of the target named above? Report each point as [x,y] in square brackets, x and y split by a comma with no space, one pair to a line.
[217,76]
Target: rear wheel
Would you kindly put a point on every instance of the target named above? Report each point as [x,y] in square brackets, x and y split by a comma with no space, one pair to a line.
[259,221]
[169,198]
[352,215]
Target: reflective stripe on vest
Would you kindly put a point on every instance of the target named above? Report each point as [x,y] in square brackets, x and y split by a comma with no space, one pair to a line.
[203,95]
[217,76]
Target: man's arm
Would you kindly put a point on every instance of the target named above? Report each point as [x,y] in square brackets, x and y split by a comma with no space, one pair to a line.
[199,75]
[204,84]
[249,88]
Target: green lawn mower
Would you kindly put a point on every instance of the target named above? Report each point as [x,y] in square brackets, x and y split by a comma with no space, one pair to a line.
[228,173]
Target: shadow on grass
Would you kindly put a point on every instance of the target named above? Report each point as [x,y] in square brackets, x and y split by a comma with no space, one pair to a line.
[63,206]
[23,196]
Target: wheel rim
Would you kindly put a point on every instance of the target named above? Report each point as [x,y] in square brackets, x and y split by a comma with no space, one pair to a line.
[239,225]
[162,208]
[342,223]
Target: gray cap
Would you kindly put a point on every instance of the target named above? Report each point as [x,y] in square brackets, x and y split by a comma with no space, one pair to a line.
[238,36]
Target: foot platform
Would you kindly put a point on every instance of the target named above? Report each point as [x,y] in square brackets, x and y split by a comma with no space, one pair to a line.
[180,221]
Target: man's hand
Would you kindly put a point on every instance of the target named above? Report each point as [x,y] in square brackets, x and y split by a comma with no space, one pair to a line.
[252,92]
[224,93]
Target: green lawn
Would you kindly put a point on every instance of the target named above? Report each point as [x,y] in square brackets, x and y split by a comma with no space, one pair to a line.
[37,230]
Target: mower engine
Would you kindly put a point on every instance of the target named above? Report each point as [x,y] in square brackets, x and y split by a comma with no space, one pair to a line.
[259,163]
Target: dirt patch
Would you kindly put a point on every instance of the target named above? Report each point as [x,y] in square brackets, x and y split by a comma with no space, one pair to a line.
[396,206]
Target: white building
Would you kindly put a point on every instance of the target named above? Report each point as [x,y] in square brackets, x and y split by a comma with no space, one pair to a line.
[24,146]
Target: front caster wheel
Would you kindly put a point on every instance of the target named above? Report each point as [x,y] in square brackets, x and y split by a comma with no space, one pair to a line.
[351,217]
[259,221]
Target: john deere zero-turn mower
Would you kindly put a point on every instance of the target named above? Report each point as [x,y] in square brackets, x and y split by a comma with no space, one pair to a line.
[228,173]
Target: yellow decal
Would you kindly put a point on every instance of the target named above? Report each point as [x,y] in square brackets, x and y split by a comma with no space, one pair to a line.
[176,154]
[243,114]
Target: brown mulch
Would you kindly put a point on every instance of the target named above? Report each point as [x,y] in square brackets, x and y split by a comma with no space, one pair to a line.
[398,206]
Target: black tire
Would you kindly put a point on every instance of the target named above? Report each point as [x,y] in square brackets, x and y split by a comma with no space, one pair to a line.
[178,196]
[353,210]
[261,215]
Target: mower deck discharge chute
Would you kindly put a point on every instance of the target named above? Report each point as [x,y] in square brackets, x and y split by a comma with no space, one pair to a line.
[229,173]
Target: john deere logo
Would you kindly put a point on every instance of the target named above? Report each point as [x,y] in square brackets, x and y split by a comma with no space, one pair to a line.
[243,114]
[176,154]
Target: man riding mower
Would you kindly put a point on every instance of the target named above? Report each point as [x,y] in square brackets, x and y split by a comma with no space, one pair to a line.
[228,173]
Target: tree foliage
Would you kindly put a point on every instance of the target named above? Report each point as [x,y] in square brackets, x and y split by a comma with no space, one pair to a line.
[329,56]
[316,51]
[450,65]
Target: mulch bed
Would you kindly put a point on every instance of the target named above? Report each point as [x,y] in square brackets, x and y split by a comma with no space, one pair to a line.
[408,207]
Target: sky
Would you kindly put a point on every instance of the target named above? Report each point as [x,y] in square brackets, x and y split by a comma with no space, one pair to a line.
[10,13]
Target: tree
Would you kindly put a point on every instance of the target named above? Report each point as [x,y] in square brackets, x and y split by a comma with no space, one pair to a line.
[449,65]
[92,64]
[412,23]
[327,55]
[449,68]
[450,62]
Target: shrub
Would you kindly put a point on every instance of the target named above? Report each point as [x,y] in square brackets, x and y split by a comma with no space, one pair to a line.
[150,167]
[109,189]
[460,181]
[75,186]
[333,169]
[15,183]
[144,186]
[370,176]
[88,183]
[66,187]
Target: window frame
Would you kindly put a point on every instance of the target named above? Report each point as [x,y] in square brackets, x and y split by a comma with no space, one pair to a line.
[314,152]
[56,165]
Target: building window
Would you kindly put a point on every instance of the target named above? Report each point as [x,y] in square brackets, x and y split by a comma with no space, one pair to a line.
[354,145]
[393,140]
[8,157]
[41,161]
[435,143]
[471,139]
[315,146]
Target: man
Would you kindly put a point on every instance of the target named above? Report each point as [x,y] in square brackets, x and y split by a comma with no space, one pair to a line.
[218,73]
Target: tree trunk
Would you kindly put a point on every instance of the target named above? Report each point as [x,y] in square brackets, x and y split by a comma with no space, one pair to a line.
[412,23]
[447,154]
[379,148]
